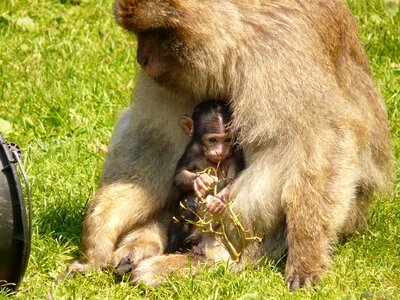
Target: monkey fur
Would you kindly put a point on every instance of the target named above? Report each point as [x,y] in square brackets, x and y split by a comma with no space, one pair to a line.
[311,122]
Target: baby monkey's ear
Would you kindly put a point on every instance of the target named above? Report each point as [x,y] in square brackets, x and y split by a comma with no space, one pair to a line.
[186,123]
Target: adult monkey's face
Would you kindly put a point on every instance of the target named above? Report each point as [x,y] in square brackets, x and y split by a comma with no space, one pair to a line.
[178,45]
[156,57]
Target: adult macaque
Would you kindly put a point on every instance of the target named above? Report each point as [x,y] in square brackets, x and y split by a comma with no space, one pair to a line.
[311,122]
[214,146]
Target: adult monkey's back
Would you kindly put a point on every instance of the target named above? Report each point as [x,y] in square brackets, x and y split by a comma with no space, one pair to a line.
[312,124]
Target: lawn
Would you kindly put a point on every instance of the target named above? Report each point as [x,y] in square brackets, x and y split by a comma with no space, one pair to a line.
[67,71]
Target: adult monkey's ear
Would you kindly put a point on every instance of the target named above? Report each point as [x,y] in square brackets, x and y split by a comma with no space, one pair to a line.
[186,123]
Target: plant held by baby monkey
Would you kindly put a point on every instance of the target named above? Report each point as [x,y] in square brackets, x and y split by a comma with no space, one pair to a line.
[205,222]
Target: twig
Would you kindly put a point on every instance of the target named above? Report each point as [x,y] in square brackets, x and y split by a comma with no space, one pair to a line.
[207,223]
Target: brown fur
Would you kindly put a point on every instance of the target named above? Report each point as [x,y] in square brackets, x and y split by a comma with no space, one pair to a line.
[312,125]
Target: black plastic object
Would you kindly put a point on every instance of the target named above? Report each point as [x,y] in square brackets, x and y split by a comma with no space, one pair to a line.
[15,221]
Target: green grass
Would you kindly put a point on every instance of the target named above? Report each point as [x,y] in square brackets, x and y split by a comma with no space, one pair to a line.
[66,72]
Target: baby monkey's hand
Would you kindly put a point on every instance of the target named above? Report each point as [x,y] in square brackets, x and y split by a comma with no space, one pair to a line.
[215,205]
[202,184]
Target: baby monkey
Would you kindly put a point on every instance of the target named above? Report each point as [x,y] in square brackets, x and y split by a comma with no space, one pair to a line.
[212,145]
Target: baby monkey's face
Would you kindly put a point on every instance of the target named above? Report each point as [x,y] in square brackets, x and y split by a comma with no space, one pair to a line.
[217,146]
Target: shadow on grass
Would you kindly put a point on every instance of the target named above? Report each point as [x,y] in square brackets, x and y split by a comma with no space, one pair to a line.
[63,222]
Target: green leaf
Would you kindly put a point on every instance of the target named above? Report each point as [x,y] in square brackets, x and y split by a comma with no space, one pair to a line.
[5,126]
[392,7]
[5,18]
[376,19]
[252,296]
[25,23]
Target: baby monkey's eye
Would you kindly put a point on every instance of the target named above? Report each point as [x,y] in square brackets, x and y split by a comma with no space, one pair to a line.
[212,140]
[228,140]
